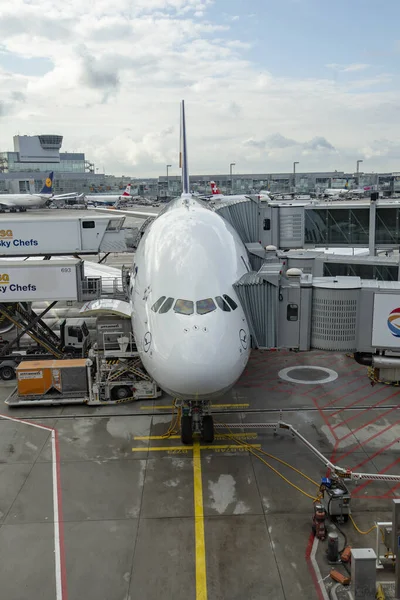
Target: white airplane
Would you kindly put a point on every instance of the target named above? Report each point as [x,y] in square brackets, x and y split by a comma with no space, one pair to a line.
[216,194]
[335,192]
[20,202]
[189,326]
[109,199]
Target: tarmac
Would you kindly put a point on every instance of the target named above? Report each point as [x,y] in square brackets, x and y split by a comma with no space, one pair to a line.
[98,505]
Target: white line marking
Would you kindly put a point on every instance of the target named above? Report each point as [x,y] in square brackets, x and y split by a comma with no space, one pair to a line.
[57,542]
[316,569]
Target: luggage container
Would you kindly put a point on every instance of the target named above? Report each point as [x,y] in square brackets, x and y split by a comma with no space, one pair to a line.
[60,377]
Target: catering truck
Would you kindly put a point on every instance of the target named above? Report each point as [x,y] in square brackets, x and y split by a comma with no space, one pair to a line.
[108,372]
[31,234]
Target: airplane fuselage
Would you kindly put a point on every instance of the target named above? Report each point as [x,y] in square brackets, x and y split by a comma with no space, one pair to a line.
[22,200]
[198,348]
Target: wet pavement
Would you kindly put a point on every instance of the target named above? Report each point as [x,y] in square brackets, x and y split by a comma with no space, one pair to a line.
[127,501]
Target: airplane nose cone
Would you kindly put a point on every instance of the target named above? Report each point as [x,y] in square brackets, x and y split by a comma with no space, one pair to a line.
[207,369]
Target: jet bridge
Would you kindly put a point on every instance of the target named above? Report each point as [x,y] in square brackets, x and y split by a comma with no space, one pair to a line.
[287,308]
[313,224]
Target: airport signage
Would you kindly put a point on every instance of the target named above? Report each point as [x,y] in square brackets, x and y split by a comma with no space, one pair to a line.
[43,281]
[386,321]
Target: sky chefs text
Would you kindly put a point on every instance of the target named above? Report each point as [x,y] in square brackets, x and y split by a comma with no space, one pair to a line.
[6,240]
[5,285]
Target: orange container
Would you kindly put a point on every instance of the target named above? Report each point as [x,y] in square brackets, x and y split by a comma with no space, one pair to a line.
[37,377]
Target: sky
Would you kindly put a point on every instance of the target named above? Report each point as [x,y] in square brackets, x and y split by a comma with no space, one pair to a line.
[266,82]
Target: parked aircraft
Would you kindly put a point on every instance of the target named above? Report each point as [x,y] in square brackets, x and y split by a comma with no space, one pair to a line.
[108,199]
[189,326]
[20,202]
[335,192]
[216,194]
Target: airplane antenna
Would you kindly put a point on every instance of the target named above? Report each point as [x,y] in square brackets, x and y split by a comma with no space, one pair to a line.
[183,160]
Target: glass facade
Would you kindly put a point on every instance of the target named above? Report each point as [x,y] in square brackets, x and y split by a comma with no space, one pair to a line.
[69,163]
[365,271]
[337,227]
[387,226]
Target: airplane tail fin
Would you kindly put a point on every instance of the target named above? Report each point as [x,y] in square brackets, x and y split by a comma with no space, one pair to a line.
[214,188]
[48,184]
[183,158]
[127,191]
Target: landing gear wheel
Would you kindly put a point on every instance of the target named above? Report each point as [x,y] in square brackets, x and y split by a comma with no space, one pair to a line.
[186,430]
[208,429]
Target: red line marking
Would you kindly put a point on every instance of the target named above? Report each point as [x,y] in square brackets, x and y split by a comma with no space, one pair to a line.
[369,481]
[345,395]
[358,414]
[369,458]
[391,491]
[361,400]
[59,494]
[360,445]
[311,567]
[60,521]
[325,419]
[376,418]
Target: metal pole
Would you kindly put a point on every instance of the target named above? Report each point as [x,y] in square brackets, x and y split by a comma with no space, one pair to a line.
[230,170]
[168,166]
[372,228]
[294,175]
[358,172]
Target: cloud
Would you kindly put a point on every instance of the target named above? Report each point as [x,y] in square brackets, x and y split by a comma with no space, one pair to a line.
[354,67]
[318,143]
[116,74]
[279,142]
[99,74]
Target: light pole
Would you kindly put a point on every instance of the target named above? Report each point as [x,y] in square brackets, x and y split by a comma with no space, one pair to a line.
[294,175]
[168,167]
[358,172]
[230,170]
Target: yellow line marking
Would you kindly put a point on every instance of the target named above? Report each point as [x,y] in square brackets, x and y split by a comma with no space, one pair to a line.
[201,570]
[160,448]
[218,436]
[211,447]
[169,406]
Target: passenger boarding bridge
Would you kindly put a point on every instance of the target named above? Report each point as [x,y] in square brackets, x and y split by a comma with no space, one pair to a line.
[293,225]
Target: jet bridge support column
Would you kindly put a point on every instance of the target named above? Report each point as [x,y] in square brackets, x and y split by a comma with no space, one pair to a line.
[372,227]
[396,543]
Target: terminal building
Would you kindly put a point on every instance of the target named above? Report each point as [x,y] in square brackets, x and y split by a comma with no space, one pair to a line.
[24,169]
[33,157]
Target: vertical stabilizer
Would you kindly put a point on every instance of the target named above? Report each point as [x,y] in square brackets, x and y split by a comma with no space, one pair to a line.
[48,184]
[183,159]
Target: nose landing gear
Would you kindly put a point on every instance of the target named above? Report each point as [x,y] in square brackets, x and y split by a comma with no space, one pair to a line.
[196,418]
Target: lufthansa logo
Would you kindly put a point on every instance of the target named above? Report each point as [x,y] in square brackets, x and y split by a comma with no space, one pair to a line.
[243,338]
[147,341]
[48,182]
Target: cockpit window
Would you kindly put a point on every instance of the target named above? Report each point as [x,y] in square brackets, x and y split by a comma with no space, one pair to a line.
[157,304]
[167,305]
[184,307]
[231,302]
[222,304]
[205,306]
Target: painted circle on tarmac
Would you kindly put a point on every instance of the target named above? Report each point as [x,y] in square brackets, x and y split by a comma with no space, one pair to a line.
[308,375]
